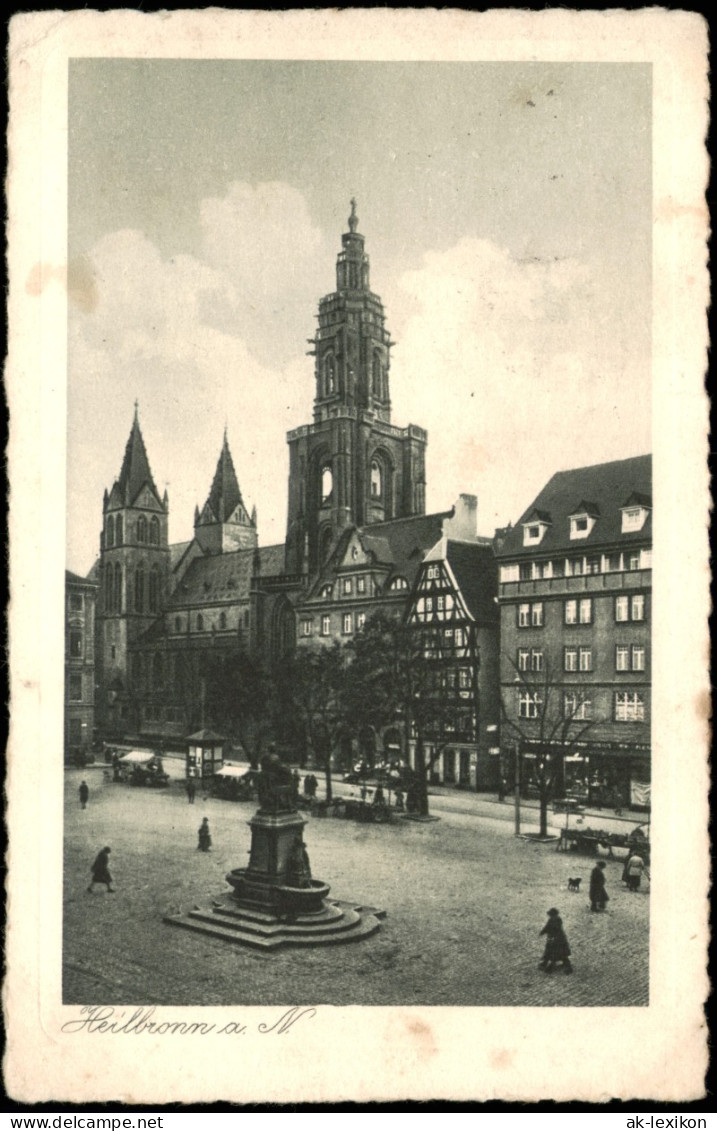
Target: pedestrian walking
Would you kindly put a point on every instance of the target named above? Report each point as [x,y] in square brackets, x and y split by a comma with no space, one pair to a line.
[84,794]
[296,782]
[100,870]
[502,789]
[313,785]
[557,947]
[399,800]
[598,894]
[205,837]
[191,791]
[634,869]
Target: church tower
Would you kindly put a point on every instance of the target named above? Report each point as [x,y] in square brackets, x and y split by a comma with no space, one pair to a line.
[351,466]
[134,565]
[223,524]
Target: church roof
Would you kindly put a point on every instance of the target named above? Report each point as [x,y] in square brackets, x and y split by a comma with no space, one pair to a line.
[225,495]
[135,466]
[75,579]
[224,578]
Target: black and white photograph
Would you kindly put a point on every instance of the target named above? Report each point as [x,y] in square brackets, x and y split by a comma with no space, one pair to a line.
[347,475]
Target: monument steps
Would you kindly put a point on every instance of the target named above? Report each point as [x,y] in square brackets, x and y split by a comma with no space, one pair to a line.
[352,926]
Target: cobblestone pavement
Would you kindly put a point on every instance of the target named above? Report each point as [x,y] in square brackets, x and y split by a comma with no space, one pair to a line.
[465,901]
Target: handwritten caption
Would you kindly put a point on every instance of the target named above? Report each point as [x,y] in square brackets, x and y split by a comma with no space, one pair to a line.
[108,1019]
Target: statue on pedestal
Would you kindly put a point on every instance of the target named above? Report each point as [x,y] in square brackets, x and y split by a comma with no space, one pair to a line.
[275,786]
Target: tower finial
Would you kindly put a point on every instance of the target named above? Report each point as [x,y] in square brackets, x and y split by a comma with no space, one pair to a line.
[136,408]
[353,218]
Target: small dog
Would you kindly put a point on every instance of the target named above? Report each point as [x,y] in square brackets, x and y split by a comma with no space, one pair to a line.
[574,885]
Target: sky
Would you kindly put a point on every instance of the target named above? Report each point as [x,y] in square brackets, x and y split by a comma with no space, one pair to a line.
[507,211]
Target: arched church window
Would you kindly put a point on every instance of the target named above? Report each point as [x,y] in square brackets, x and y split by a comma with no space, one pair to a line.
[118,530]
[200,623]
[110,532]
[327,484]
[141,529]
[376,480]
[329,376]
[154,531]
[377,375]
[139,588]
[154,589]
[117,603]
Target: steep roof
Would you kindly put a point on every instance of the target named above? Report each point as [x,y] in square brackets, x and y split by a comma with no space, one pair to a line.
[608,486]
[474,568]
[403,542]
[215,579]
[135,466]
[224,496]
[271,560]
[75,579]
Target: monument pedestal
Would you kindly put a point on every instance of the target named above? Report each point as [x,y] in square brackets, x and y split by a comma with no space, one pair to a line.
[275,901]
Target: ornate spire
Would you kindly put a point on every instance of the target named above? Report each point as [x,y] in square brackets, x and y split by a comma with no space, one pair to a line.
[225,495]
[135,465]
[353,218]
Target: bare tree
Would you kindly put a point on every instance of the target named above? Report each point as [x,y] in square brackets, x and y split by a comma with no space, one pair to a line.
[552,717]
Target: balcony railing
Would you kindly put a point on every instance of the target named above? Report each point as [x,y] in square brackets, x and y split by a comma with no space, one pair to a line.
[583,583]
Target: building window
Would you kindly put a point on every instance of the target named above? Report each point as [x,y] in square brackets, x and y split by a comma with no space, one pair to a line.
[622,608]
[612,563]
[576,706]
[75,644]
[633,560]
[118,589]
[325,626]
[629,707]
[154,531]
[581,525]
[586,660]
[528,705]
[222,621]
[532,534]
[76,602]
[376,480]
[458,637]
[118,530]
[433,573]
[154,589]
[360,584]
[110,539]
[570,659]
[141,529]
[360,621]
[177,624]
[509,573]
[536,660]
[139,589]
[630,608]
[347,586]
[326,592]
[327,485]
[75,688]
[622,658]
[523,659]
[574,567]
[526,571]
[400,584]
[593,565]
[530,616]
[200,623]
[633,518]
[638,657]
[347,623]
[579,612]
[329,375]
[306,627]
[637,607]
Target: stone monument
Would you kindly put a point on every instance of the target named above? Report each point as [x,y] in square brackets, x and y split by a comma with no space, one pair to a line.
[275,901]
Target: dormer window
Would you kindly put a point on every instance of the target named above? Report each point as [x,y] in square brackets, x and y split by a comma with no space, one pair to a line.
[581,525]
[534,529]
[326,592]
[633,518]
[398,584]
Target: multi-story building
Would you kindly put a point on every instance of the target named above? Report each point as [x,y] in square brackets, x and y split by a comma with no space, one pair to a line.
[454,615]
[80,598]
[575,588]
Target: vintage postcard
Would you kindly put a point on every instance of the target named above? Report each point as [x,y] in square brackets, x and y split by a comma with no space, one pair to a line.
[356,386]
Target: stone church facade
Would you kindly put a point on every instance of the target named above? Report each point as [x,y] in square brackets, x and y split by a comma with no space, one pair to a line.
[357,535]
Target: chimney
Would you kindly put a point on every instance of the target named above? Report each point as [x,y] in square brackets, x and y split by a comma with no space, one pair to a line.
[462,526]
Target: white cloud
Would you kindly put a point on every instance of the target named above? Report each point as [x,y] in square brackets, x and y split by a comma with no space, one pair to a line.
[526,376]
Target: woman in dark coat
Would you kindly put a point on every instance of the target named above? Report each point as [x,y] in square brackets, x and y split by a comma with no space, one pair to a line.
[557,947]
[100,870]
[598,895]
[205,839]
